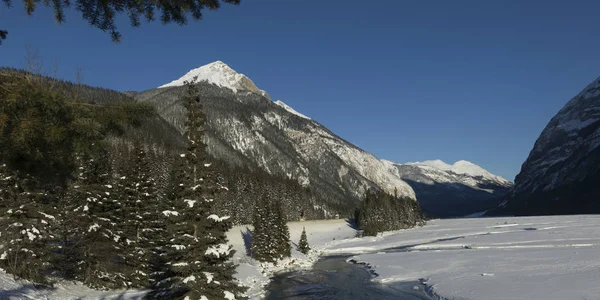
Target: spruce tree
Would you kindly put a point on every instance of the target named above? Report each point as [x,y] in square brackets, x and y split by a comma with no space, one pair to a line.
[271,236]
[281,232]
[24,224]
[138,190]
[303,243]
[95,241]
[262,243]
[199,256]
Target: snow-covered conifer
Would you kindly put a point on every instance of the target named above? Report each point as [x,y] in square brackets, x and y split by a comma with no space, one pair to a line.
[199,265]
[303,243]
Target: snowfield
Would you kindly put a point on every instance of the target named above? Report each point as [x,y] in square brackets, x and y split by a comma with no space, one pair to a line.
[530,258]
[553,257]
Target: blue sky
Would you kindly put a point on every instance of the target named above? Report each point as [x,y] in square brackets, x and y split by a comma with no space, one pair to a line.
[404,80]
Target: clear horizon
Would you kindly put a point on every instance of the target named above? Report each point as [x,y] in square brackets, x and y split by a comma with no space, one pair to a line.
[405,81]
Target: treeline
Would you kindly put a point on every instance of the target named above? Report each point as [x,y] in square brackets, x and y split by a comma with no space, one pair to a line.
[248,188]
[383,212]
[75,91]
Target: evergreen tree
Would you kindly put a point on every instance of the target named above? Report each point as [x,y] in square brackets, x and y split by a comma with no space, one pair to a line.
[303,243]
[271,236]
[263,244]
[42,129]
[94,243]
[139,195]
[383,212]
[281,232]
[199,257]
[24,223]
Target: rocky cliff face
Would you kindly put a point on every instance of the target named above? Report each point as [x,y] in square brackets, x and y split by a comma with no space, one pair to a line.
[562,173]
[246,128]
[445,190]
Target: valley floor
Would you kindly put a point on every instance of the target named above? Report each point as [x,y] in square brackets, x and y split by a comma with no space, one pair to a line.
[529,258]
[490,258]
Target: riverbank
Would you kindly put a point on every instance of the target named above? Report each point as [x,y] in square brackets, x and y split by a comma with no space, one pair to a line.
[321,234]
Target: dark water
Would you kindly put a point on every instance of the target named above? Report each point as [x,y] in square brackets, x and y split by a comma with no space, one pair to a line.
[334,278]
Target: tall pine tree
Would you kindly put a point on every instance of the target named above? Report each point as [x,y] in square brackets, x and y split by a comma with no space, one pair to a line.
[271,236]
[199,256]
[280,230]
[95,241]
[138,191]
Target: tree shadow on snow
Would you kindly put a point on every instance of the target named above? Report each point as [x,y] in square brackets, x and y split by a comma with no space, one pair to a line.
[351,222]
[122,296]
[247,237]
[22,292]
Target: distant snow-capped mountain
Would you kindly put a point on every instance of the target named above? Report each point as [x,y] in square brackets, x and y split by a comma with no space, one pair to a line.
[445,190]
[462,167]
[562,172]
[246,128]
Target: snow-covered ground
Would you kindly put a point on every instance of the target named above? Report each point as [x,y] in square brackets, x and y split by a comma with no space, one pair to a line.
[553,257]
[11,289]
[546,258]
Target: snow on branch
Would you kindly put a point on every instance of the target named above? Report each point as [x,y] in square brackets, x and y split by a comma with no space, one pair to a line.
[221,249]
[170,213]
[217,218]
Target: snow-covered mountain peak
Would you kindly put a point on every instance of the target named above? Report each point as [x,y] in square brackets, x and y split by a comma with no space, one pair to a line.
[290,109]
[436,163]
[469,168]
[461,167]
[220,74]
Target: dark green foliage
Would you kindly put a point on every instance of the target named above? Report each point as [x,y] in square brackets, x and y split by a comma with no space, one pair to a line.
[42,129]
[281,232]
[24,225]
[247,187]
[102,14]
[94,238]
[383,212]
[263,245]
[61,206]
[303,243]
[271,236]
[138,192]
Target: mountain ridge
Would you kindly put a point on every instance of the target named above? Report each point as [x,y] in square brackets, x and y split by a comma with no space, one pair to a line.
[559,175]
[271,135]
[445,190]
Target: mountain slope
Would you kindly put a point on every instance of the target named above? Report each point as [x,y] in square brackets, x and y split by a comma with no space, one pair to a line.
[245,128]
[561,174]
[445,190]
